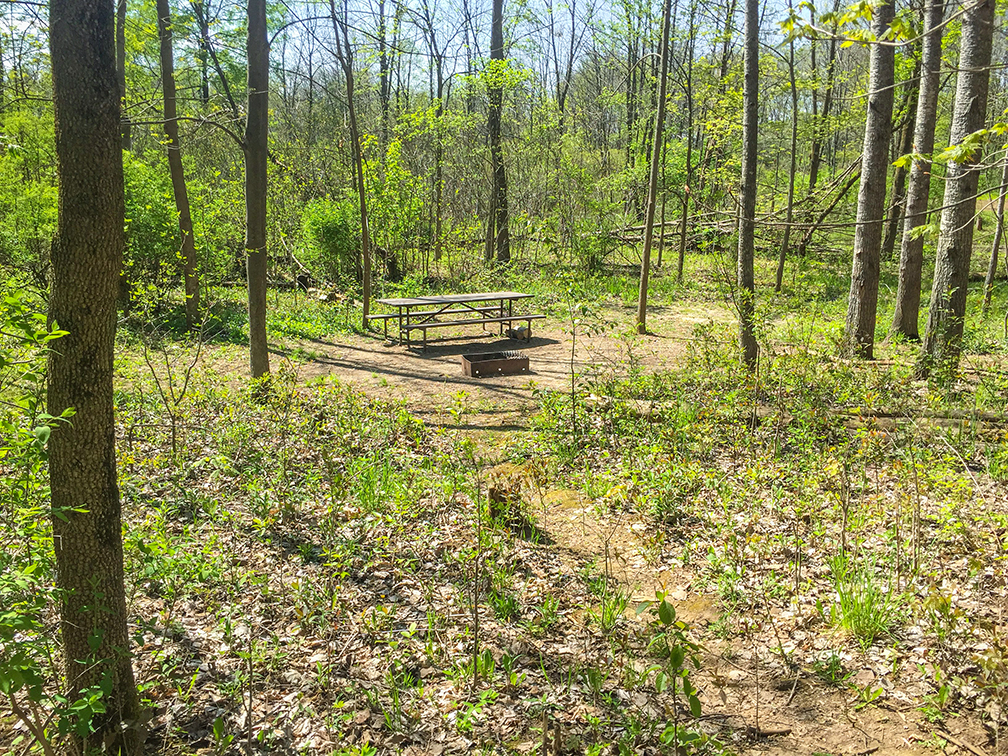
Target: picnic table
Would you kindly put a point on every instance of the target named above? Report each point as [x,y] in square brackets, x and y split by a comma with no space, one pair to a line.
[445,310]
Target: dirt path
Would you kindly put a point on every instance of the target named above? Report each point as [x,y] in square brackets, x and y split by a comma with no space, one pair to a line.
[435,389]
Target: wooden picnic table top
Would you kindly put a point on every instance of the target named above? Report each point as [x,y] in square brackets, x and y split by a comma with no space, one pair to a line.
[445,299]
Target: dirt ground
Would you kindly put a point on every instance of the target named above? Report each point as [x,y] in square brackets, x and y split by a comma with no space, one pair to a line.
[432,382]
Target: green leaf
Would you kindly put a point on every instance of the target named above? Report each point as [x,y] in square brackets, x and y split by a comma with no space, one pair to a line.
[666,612]
[694,706]
[677,657]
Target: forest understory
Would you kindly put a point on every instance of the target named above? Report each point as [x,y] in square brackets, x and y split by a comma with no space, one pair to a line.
[808,559]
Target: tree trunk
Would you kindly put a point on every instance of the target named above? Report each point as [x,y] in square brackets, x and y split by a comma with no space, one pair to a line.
[202,53]
[192,288]
[747,218]
[345,56]
[820,122]
[653,179]
[687,190]
[256,153]
[900,176]
[120,41]
[791,176]
[998,233]
[496,92]
[908,290]
[859,339]
[86,259]
[384,79]
[943,333]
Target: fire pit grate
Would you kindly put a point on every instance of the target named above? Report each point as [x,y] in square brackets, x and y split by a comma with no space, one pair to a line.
[495,363]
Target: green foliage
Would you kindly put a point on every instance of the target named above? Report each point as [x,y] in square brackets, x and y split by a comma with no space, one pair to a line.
[864,607]
[29,679]
[153,244]
[27,191]
[331,231]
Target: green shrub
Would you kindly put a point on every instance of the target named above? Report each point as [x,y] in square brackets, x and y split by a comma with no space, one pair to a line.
[332,239]
[27,192]
[152,235]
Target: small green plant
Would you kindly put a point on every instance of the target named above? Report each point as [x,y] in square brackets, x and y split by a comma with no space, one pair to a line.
[469,712]
[610,611]
[830,669]
[222,739]
[678,654]
[864,608]
[547,614]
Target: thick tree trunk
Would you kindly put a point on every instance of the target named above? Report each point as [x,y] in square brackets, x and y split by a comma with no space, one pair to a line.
[943,333]
[120,38]
[345,56]
[791,175]
[908,290]
[653,179]
[256,153]
[86,259]
[747,218]
[859,339]
[502,236]
[998,233]
[900,175]
[192,288]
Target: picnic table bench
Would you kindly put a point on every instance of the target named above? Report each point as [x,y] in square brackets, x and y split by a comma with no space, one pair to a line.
[452,310]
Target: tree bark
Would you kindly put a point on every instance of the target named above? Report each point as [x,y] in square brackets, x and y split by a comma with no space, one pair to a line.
[120,40]
[942,344]
[687,190]
[501,234]
[900,175]
[345,57]
[747,218]
[256,154]
[908,289]
[653,179]
[820,122]
[855,175]
[778,284]
[86,259]
[192,288]
[202,52]
[859,339]
[998,233]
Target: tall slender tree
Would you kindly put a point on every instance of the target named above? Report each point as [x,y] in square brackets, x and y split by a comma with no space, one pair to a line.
[344,54]
[688,187]
[498,233]
[192,287]
[908,288]
[746,297]
[786,242]
[256,155]
[942,343]
[653,180]
[998,233]
[120,37]
[899,182]
[862,304]
[86,259]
